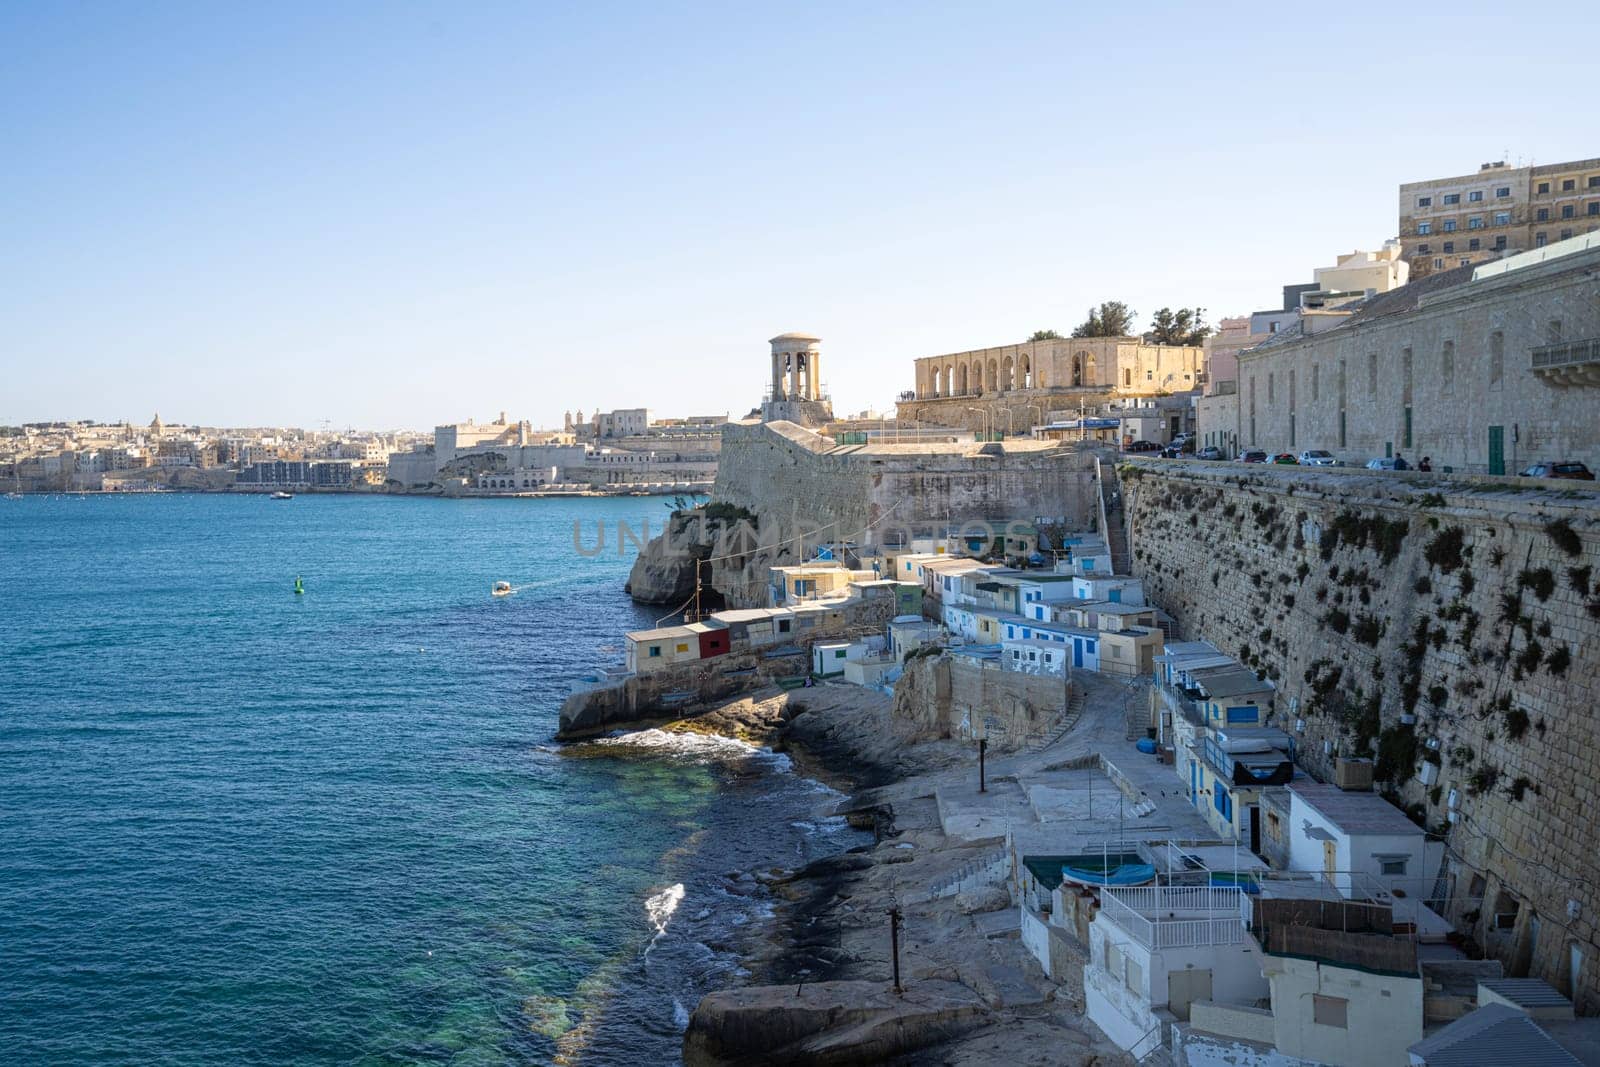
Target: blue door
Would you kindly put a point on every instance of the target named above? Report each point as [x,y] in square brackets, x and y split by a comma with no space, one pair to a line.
[1116,596]
[1077,653]
[1194,784]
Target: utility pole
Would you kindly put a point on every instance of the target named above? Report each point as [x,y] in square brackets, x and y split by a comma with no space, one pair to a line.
[894,943]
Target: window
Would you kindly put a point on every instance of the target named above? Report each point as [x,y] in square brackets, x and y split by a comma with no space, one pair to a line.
[1149,375]
[1594,207]
[655,651]
[1502,192]
[1568,185]
[1391,865]
[1539,240]
[1542,215]
[1423,249]
[1447,368]
[1449,246]
[1270,380]
[1502,218]
[1500,242]
[1452,198]
[1475,196]
[1330,1011]
[1424,228]
[1127,377]
[1315,382]
[1222,800]
[1568,210]
[1437,263]
[1449,226]
[1424,201]
[1544,187]
[1474,244]
[1594,181]
[1372,373]
[1475,222]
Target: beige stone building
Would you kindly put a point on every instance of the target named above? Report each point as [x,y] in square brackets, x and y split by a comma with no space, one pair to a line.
[1499,210]
[1010,388]
[1487,369]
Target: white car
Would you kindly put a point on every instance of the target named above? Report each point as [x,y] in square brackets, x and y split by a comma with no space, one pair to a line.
[1382,463]
[1316,457]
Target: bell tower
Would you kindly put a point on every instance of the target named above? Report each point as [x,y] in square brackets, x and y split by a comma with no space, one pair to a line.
[796,394]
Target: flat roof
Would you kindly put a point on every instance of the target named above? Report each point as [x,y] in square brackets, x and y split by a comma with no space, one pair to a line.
[1355,813]
[1228,682]
[661,634]
[750,614]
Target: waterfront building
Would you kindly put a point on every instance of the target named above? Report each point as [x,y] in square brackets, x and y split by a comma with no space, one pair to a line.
[1484,369]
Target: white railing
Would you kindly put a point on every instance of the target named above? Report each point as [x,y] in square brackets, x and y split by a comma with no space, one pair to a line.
[1169,899]
[1127,908]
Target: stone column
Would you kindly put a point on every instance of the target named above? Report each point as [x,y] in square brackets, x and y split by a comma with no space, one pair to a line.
[777,376]
[814,371]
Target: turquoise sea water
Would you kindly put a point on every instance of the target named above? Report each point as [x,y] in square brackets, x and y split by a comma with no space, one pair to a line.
[243,826]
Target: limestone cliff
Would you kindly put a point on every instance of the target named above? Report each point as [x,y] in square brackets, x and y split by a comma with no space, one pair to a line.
[664,572]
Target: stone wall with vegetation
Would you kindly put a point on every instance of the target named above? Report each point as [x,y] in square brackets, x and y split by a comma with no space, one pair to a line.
[1423,621]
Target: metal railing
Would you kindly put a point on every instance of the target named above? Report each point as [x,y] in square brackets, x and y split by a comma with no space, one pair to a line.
[1126,906]
[1567,354]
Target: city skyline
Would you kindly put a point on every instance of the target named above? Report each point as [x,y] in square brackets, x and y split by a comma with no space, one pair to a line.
[254,220]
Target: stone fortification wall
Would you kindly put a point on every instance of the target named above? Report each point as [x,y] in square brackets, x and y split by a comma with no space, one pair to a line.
[944,696]
[779,469]
[792,483]
[1449,627]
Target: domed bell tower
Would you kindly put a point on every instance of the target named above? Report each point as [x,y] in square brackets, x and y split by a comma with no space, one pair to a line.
[796,394]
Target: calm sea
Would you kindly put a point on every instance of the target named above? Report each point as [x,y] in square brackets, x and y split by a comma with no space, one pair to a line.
[240,825]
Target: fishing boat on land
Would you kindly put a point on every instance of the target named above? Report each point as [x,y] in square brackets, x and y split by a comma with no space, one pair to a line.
[501,589]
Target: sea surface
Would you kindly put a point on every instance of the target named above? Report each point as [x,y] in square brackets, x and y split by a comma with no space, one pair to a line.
[240,825]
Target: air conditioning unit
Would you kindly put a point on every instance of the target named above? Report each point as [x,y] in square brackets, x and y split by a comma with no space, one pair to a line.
[1352,774]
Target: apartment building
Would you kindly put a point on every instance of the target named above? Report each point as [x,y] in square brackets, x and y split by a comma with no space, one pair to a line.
[1468,218]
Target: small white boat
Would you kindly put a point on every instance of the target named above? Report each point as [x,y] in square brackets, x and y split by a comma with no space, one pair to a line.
[281,495]
[501,589]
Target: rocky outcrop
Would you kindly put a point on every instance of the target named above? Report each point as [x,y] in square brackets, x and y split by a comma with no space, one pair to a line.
[664,572]
[827,1023]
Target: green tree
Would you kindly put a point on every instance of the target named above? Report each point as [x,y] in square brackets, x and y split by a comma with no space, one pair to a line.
[1045,335]
[1185,326]
[1112,318]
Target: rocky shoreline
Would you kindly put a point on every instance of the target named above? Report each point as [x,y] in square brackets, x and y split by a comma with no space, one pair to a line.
[820,989]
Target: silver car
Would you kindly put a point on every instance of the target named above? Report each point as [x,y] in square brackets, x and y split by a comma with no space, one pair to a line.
[1382,463]
[1316,457]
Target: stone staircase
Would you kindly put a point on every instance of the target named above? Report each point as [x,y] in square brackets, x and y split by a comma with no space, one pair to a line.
[1063,726]
[987,869]
[1116,525]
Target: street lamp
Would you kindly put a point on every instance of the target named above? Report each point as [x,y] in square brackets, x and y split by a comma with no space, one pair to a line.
[985,419]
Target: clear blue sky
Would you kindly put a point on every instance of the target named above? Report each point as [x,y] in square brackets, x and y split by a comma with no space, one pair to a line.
[397,214]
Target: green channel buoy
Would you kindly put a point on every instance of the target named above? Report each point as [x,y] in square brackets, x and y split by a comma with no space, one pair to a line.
[298,588]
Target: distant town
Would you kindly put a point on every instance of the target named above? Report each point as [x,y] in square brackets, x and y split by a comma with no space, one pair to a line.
[610,453]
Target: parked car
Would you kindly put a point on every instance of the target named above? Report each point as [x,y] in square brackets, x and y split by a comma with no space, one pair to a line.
[1566,468]
[1143,446]
[1252,455]
[1209,452]
[1286,458]
[1382,463]
[1316,457]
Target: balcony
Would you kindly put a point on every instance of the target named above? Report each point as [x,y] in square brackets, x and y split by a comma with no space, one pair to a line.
[1179,704]
[1569,363]
[1164,916]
